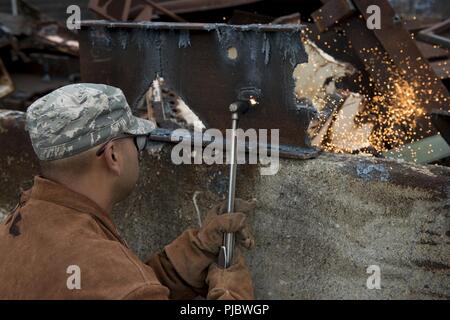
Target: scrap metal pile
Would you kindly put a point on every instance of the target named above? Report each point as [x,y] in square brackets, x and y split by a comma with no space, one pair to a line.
[377,92]
[37,55]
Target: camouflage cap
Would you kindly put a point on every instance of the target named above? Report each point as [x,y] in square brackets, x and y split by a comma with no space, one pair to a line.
[77,117]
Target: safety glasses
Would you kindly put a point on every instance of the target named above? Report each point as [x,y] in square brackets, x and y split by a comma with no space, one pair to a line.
[140,142]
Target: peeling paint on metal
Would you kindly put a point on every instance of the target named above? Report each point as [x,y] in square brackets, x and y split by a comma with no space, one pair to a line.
[100,37]
[184,39]
[291,47]
[123,39]
[226,36]
[266,49]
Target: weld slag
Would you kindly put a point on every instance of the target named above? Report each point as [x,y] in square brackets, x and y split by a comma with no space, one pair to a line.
[207,147]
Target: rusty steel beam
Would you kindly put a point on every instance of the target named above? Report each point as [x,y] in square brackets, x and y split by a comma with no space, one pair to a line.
[188,26]
[244,17]
[432,52]
[433,34]
[382,70]
[289,19]
[392,42]
[135,10]
[441,68]
[332,12]
[165,11]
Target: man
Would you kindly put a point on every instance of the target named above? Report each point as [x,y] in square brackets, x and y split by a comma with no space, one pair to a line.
[60,243]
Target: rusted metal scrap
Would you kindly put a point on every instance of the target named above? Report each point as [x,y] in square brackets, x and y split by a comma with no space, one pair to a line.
[17,25]
[392,71]
[58,37]
[391,40]
[146,10]
[162,9]
[130,10]
[437,34]
[441,119]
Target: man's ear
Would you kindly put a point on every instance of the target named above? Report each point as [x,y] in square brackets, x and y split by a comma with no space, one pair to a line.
[112,158]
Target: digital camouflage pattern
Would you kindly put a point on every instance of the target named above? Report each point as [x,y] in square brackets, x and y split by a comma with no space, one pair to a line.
[77,117]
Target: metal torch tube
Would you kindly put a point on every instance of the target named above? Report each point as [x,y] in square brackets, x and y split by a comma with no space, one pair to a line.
[228,239]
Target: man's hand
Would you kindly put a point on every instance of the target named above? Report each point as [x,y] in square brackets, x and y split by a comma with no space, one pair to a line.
[233,283]
[216,224]
[195,250]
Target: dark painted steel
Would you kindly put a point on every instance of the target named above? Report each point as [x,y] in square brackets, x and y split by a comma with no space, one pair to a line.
[195,62]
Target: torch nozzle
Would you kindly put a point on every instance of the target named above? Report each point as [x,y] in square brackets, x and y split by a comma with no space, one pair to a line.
[239,107]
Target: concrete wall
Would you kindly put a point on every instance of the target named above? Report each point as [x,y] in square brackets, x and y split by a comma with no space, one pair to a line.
[319,223]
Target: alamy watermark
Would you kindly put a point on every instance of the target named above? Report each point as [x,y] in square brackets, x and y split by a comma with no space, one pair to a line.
[374,280]
[73,21]
[252,147]
[74,280]
[373,21]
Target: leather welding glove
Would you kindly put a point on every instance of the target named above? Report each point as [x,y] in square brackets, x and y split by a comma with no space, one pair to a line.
[233,283]
[210,235]
[195,249]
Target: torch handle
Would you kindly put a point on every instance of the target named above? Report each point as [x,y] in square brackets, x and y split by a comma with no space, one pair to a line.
[226,251]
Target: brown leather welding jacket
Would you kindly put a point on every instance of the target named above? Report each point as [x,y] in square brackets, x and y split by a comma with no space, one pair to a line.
[54,228]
